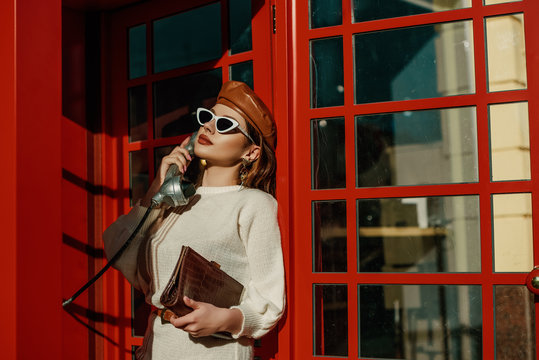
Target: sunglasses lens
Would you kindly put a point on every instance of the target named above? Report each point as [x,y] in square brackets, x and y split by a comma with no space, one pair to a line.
[205,116]
[224,124]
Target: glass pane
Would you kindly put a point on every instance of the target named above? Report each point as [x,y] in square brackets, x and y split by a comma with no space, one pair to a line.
[327,77]
[325,13]
[176,101]
[515,323]
[140,310]
[137,51]
[512,231]
[138,113]
[365,10]
[420,322]
[329,236]
[173,49]
[506,52]
[328,154]
[239,12]
[433,60]
[243,72]
[158,155]
[510,141]
[417,147]
[428,234]
[138,175]
[490,2]
[330,320]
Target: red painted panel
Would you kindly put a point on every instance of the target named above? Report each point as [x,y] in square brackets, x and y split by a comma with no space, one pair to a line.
[39,233]
[8,181]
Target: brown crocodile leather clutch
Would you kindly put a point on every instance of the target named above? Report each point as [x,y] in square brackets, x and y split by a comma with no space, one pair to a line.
[199,280]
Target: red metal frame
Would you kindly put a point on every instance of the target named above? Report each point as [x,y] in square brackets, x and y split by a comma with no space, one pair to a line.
[300,174]
[116,147]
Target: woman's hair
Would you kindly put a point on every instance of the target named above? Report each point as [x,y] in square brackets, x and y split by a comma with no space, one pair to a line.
[261,173]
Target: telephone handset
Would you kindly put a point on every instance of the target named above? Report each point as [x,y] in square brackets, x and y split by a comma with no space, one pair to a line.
[176,191]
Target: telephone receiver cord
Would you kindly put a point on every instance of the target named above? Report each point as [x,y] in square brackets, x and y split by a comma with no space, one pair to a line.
[112,260]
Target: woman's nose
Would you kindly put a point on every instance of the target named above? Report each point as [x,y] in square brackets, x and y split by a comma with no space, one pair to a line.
[210,126]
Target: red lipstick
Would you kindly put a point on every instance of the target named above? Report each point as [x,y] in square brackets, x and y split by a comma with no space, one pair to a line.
[204,140]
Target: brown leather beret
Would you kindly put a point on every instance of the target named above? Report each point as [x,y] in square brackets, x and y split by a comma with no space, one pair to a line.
[241,98]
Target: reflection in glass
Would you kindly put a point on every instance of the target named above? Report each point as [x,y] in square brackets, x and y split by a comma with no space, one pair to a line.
[433,60]
[138,175]
[329,236]
[491,2]
[420,322]
[140,310]
[365,10]
[330,320]
[327,76]
[137,51]
[506,52]
[176,101]
[512,232]
[243,72]
[428,234]
[328,155]
[173,49]
[417,147]
[510,141]
[515,322]
[325,13]
[239,12]
[138,113]
[159,153]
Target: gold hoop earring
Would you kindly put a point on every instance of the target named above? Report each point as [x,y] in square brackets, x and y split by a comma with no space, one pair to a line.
[244,171]
[203,162]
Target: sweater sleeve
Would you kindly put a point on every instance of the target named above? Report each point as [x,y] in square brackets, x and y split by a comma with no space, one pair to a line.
[118,233]
[264,300]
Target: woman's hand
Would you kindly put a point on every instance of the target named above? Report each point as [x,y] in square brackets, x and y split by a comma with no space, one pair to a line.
[207,319]
[178,156]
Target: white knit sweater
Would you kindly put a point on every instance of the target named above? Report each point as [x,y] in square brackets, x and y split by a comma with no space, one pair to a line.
[236,227]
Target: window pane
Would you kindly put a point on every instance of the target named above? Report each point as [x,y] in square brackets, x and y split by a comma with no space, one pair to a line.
[365,10]
[240,25]
[325,13]
[138,113]
[490,2]
[140,310]
[327,77]
[328,154]
[176,101]
[137,51]
[138,175]
[159,153]
[330,320]
[187,38]
[420,322]
[513,237]
[515,322]
[428,234]
[329,236]
[433,61]
[417,147]
[510,141]
[506,52]
[243,72]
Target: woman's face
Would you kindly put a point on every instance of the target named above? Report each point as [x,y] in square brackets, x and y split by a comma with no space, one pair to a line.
[224,149]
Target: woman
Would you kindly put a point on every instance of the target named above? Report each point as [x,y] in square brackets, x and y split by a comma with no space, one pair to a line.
[232,220]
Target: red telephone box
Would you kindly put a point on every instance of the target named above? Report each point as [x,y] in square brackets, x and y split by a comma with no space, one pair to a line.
[407,165]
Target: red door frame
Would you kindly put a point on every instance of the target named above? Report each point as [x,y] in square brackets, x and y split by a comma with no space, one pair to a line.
[30,152]
[300,172]
[116,291]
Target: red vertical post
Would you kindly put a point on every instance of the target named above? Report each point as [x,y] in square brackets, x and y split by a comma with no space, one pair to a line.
[8,183]
[37,209]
